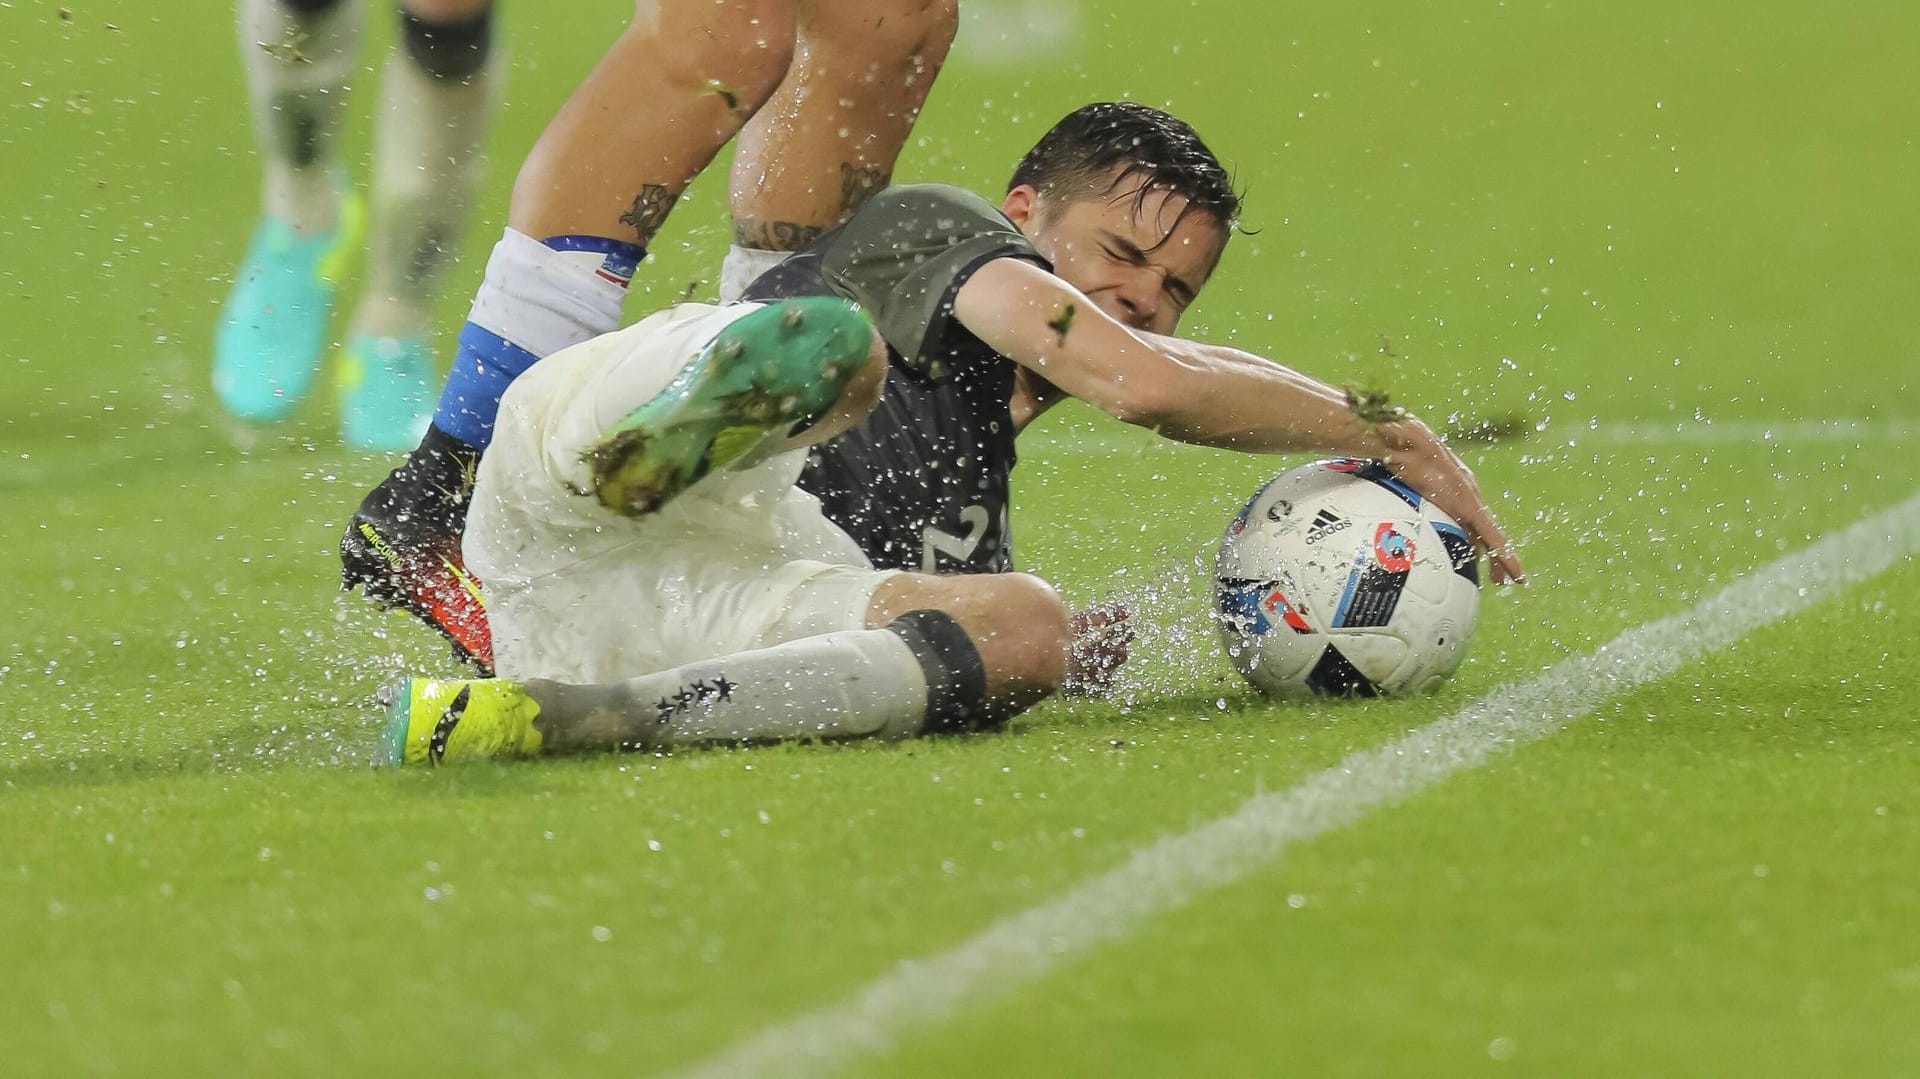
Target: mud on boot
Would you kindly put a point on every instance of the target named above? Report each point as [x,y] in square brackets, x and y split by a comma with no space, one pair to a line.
[765,372]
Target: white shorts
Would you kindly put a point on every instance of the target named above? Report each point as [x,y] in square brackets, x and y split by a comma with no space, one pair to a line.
[577,593]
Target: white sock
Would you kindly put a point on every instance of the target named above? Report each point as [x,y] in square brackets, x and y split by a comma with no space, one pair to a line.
[533,302]
[298,70]
[544,300]
[742,266]
[427,161]
[855,684]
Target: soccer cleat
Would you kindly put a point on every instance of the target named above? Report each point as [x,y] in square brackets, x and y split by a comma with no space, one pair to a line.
[441,721]
[274,327]
[402,546]
[782,364]
[386,392]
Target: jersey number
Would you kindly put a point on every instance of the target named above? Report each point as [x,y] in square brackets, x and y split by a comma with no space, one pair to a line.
[934,542]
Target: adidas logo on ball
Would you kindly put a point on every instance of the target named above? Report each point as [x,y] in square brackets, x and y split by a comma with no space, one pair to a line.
[1326,523]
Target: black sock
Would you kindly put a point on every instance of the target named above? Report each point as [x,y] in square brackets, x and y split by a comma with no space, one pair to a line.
[956,677]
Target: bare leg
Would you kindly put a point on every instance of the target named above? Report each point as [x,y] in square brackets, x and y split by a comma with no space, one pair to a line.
[670,92]
[830,135]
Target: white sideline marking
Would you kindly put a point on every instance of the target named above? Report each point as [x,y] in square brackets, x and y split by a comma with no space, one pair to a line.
[1843,430]
[1734,431]
[1171,871]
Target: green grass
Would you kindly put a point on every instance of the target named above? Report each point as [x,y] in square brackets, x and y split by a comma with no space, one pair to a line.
[200,871]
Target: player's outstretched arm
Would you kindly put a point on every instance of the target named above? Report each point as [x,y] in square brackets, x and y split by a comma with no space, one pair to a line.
[1208,395]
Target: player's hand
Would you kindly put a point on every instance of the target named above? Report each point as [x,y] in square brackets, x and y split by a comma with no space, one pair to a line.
[1416,455]
[1101,634]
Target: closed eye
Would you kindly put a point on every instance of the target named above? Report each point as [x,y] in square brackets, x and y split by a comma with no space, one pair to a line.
[1121,249]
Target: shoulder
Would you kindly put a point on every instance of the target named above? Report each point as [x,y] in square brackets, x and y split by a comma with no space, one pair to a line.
[940,196]
[928,210]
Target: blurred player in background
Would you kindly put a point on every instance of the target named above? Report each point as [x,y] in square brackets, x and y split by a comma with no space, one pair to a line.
[436,93]
[822,93]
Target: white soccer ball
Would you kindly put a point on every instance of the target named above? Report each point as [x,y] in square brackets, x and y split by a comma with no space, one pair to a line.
[1337,578]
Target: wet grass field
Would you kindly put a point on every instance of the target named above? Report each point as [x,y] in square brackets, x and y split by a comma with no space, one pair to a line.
[1677,243]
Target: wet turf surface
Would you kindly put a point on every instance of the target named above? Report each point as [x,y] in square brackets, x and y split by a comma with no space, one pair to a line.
[1654,233]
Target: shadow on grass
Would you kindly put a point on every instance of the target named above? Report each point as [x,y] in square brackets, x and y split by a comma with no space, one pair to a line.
[256,749]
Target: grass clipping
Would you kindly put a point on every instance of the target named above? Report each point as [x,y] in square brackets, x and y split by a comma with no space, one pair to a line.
[1376,406]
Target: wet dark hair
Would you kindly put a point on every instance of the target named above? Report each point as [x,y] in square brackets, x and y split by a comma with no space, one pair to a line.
[1096,148]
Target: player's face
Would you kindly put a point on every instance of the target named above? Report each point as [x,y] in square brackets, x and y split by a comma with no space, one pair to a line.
[1142,260]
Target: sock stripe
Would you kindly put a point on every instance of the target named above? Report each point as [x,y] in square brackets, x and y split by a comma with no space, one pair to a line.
[484,366]
[620,260]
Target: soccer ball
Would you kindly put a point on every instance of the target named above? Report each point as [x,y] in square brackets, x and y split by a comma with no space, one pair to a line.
[1337,578]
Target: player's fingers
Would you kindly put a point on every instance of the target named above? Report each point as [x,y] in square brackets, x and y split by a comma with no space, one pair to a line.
[1502,562]
[1506,566]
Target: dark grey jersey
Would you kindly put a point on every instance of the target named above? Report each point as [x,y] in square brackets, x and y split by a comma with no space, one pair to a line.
[922,483]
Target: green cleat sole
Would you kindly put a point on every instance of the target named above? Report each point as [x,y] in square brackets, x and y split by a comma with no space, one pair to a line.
[784,363]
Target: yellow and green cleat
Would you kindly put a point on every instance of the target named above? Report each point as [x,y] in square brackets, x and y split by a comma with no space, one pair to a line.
[443,720]
[787,362]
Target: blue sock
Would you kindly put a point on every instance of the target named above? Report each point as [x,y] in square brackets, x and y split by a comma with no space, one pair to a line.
[538,298]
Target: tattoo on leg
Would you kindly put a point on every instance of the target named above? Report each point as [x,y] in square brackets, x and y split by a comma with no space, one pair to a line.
[858,183]
[774,235]
[648,212]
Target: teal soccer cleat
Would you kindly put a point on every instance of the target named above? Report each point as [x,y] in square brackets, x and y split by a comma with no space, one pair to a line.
[274,328]
[765,372]
[386,392]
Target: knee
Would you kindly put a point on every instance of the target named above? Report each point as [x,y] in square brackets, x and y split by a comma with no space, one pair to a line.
[1015,623]
[1028,635]
[862,394]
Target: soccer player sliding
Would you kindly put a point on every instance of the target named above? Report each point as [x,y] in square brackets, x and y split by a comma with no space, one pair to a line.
[822,95]
[656,578]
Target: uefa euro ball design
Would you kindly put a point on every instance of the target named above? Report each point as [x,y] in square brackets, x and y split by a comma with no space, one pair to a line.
[1339,579]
